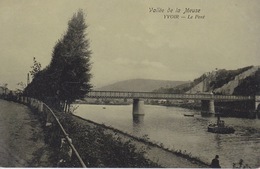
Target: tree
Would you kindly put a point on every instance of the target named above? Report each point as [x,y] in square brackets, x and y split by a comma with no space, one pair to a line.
[5,89]
[35,68]
[71,62]
[21,87]
[67,78]
[41,86]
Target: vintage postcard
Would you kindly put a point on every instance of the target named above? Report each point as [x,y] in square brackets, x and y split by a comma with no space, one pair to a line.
[130,83]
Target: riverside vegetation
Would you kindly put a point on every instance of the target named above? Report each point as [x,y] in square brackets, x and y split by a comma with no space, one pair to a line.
[96,147]
[99,149]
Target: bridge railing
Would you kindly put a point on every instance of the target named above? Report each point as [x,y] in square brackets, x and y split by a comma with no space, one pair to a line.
[152,95]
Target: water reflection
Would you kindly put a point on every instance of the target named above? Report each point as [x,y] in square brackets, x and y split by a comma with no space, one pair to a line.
[138,123]
[207,114]
[218,141]
[138,119]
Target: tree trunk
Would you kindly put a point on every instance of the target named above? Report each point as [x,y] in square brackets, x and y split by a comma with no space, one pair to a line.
[65,107]
[68,111]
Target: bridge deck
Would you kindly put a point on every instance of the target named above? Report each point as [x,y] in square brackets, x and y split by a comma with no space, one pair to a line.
[151,95]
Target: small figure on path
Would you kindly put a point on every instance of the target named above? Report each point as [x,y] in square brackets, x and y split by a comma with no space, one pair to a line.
[215,162]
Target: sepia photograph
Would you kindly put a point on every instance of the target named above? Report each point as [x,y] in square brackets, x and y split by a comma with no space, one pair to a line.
[129,84]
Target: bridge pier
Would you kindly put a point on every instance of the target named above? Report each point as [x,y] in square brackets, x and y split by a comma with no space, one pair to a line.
[207,107]
[138,110]
[257,103]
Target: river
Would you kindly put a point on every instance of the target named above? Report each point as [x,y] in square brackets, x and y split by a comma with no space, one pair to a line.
[169,126]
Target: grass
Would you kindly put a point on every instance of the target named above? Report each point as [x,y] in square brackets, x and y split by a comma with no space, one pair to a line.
[99,149]
[128,148]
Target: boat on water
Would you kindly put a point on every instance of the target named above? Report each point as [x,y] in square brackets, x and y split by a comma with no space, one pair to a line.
[189,115]
[213,128]
[220,127]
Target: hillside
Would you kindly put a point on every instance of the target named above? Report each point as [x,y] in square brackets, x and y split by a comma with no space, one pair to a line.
[140,85]
[243,81]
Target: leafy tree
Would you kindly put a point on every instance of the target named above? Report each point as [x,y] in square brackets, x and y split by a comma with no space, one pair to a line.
[35,68]
[67,78]
[74,56]
[21,87]
[40,87]
[5,89]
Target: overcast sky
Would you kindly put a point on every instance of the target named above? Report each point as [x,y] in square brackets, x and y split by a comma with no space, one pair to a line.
[128,41]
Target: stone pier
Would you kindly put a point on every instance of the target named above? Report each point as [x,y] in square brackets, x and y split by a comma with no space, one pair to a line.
[257,103]
[138,110]
[207,107]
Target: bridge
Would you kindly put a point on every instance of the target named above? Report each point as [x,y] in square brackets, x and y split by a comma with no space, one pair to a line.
[207,99]
[153,95]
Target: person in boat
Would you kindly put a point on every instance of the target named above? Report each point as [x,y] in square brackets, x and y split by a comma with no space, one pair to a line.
[220,123]
[215,162]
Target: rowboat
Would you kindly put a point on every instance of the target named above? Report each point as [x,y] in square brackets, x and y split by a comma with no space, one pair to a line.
[189,115]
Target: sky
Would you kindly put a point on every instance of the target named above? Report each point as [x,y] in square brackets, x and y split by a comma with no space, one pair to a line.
[132,39]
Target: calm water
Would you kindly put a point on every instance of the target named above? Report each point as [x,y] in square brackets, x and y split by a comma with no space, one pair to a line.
[169,126]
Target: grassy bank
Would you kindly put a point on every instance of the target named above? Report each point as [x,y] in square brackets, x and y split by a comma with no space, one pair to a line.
[100,149]
[103,146]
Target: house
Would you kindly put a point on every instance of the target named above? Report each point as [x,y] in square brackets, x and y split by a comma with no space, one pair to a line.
[4,90]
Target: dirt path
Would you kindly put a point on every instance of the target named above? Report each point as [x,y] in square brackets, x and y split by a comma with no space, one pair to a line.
[21,138]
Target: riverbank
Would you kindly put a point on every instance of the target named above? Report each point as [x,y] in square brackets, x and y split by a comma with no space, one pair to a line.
[103,146]
[98,145]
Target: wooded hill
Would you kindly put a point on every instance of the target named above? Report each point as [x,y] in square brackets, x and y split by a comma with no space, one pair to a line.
[243,81]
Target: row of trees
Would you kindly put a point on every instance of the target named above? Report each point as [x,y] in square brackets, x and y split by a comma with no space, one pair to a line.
[67,77]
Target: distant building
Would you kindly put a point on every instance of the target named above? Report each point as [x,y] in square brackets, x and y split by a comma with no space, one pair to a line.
[4,90]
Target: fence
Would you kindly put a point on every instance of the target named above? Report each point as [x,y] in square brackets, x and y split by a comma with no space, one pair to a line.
[51,122]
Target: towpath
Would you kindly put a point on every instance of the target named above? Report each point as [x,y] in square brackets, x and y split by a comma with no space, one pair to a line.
[21,138]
